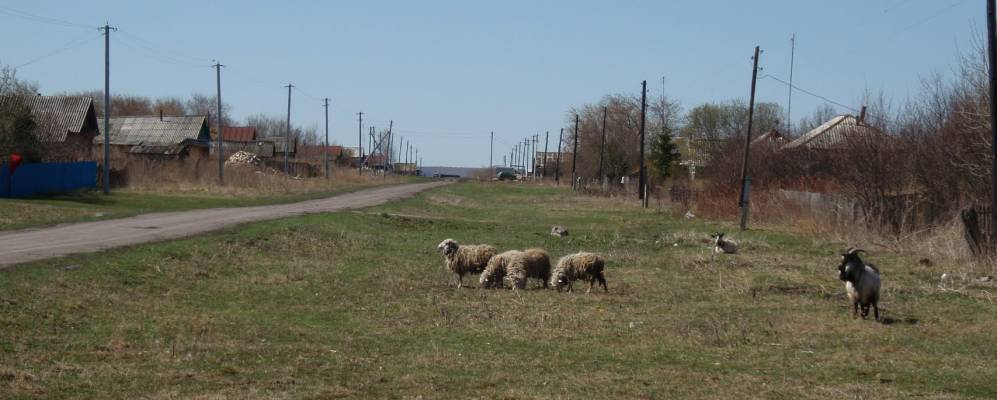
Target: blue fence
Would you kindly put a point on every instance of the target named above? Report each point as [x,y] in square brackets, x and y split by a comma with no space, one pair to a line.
[47,178]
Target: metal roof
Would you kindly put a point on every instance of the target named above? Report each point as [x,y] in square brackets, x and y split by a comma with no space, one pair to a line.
[773,136]
[58,116]
[132,131]
[239,133]
[832,134]
[165,149]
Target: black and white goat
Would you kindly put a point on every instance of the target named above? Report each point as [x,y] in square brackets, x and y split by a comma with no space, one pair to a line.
[723,245]
[862,282]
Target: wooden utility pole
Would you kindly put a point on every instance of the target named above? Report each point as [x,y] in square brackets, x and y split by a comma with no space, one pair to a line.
[287,133]
[557,168]
[221,153]
[107,108]
[745,179]
[789,104]
[543,173]
[992,55]
[642,180]
[360,143]
[574,158]
[325,151]
[602,153]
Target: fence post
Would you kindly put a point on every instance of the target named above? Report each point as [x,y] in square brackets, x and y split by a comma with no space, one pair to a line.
[971,230]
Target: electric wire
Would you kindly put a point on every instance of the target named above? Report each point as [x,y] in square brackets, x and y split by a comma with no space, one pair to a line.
[69,46]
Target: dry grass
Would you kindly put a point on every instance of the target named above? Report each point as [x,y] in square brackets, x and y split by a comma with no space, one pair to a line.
[358,305]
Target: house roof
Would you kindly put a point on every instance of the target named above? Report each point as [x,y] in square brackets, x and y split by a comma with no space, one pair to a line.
[132,131]
[58,116]
[278,144]
[773,136]
[239,133]
[832,134]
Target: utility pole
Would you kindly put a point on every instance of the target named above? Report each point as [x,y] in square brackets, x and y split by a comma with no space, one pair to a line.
[491,151]
[557,168]
[287,134]
[745,179]
[533,155]
[543,173]
[602,153]
[992,53]
[391,127]
[326,149]
[526,156]
[513,159]
[221,156]
[574,158]
[360,143]
[107,107]
[789,105]
[642,181]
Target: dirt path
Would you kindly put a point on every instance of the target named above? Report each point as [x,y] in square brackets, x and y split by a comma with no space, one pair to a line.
[38,244]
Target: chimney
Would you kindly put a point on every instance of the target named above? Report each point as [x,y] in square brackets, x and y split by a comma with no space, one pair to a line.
[160,114]
[862,116]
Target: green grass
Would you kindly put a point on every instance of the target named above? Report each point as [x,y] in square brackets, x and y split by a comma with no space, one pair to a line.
[94,205]
[357,304]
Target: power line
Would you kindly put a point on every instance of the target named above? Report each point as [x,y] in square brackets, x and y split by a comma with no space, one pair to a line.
[69,46]
[161,49]
[139,49]
[797,88]
[38,18]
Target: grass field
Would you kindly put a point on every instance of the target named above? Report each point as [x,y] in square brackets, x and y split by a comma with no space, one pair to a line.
[357,304]
[94,205]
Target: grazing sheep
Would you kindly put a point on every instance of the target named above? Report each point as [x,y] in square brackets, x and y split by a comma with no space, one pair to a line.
[584,266]
[723,245]
[536,264]
[862,282]
[499,266]
[466,259]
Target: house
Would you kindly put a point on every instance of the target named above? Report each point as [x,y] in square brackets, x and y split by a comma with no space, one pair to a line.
[67,124]
[159,137]
[278,146]
[771,138]
[835,134]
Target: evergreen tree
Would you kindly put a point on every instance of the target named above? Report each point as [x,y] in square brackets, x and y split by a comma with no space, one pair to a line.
[664,155]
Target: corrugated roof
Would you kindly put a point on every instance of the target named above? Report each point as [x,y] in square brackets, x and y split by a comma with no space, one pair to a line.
[132,131]
[773,136]
[832,134]
[58,116]
[239,133]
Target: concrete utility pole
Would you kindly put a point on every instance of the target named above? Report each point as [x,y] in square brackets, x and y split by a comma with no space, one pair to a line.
[745,179]
[326,149]
[221,153]
[526,156]
[642,181]
[574,158]
[602,153]
[360,143]
[533,155]
[789,105]
[107,108]
[391,127]
[287,134]
[992,55]
[557,168]
[513,159]
[543,173]
[491,151]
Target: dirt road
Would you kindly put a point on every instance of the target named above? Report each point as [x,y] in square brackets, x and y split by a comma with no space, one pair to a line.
[38,244]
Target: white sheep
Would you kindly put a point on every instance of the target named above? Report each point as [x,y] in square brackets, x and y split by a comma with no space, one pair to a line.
[722,244]
[862,282]
[498,267]
[583,266]
[536,264]
[466,259]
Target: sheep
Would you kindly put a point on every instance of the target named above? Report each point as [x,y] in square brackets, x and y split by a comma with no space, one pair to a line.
[723,245]
[862,282]
[466,259]
[536,264]
[585,266]
[499,266]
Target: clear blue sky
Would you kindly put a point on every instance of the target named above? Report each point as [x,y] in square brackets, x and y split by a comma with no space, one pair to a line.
[448,72]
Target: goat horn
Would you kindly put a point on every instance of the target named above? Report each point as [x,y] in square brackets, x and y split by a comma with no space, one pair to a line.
[855,251]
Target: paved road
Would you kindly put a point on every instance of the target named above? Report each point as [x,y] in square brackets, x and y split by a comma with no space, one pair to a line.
[38,244]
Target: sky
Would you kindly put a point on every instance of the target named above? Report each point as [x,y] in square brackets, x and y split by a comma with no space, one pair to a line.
[449,72]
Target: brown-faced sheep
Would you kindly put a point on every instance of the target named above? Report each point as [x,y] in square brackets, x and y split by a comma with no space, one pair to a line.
[536,264]
[584,266]
[466,259]
[499,266]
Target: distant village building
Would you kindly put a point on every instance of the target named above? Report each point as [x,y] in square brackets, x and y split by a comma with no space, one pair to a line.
[66,124]
[239,134]
[159,137]
[835,134]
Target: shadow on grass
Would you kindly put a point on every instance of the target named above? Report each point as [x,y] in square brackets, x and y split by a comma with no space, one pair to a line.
[904,321]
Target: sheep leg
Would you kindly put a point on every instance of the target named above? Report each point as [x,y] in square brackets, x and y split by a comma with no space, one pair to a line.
[591,283]
[602,281]
[460,280]
[855,309]
[875,309]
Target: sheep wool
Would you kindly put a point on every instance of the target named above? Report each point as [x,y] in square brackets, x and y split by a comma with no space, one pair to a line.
[500,265]
[536,264]
[466,259]
[580,266]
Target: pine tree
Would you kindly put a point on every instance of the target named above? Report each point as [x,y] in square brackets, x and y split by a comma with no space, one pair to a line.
[664,155]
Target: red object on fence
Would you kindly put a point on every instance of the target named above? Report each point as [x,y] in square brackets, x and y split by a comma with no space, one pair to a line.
[15,161]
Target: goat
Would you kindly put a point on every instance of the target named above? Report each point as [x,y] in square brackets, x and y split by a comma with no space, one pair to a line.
[862,282]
